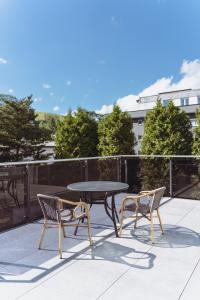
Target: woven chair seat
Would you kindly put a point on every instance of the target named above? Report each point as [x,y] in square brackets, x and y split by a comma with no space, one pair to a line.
[67,216]
[143,206]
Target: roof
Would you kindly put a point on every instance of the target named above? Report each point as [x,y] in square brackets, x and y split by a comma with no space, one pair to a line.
[170,95]
[189,109]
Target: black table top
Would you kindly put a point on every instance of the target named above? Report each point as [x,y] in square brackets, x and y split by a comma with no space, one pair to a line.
[98,186]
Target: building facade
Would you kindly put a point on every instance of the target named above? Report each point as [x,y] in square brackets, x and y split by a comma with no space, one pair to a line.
[188,100]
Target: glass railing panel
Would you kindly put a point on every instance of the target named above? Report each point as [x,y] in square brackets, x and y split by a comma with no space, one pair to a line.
[186,178]
[13,189]
[19,184]
[104,169]
[147,173]
[107,169]
[131,173]
[52,178]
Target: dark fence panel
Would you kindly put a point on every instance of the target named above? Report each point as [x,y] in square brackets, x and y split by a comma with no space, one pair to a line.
[52,179]
[186,178]
[20,183]
[104,169]
[13,200]
[144,173]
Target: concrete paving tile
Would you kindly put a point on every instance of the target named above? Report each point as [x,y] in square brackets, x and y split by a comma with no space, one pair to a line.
[192,288]
[115,268]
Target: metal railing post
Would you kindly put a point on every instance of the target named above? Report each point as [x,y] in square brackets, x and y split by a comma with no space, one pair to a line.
[27,206]
[170,178]
[119,169]
[86,169]
[126,170]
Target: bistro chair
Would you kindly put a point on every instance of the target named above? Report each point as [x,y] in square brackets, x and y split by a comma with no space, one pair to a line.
[61,213]
[145,204]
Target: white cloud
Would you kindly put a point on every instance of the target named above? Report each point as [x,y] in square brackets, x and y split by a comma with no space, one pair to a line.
[106,109]
[46,86]
[113,20]
[3,61]
[190,72]
[101,62]
[161,1]
[39,99]
[10,91]
[74,112]
[68,82]
[51,94]
[56,108]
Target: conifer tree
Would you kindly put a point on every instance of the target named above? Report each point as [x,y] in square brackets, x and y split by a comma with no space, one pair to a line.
[167,131]
[76,135]
[116,133]
[20,134]
[196,141]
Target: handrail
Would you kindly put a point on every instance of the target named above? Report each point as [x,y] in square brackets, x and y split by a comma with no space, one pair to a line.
[161,156]
[52,161]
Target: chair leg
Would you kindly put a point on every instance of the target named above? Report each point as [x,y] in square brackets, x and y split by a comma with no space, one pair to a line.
[136,218]
[42,235]
[89,229]
[60,239]
[159,218]
[76,228]
[88,225]
[152,229]
[121,223]
[64,231]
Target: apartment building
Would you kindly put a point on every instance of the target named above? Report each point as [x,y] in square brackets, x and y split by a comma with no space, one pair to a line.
[188,100]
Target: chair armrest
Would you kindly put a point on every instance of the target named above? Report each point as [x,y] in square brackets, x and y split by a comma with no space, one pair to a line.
[134,198]
[70,202]
[76,205]
[81,205]
[146,193]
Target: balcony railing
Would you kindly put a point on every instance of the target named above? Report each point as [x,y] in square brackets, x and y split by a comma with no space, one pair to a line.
[21,181]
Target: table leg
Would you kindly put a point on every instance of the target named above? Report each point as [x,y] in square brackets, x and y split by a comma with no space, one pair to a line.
[82,197]
[113,214]
[107,208]
[116,214]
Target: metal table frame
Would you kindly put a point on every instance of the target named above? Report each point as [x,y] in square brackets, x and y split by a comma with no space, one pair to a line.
[109,188]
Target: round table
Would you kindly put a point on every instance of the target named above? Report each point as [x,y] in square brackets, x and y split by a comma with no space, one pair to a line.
[108,188]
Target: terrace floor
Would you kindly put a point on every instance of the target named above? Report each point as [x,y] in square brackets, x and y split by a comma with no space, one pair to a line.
[114,268]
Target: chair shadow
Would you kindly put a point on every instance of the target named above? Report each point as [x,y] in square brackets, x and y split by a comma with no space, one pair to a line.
[9,271]
[174,236]
[101,249]
[113,252]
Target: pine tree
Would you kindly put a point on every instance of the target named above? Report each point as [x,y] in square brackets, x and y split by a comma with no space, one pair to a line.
[76,135]
[196,141]
[167,131]
[20,134]
[116,133]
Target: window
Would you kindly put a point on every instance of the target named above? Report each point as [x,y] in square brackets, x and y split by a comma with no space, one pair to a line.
[139,137]
[140,122]
[184,101]
[165,102]
[198,99]
[193,122]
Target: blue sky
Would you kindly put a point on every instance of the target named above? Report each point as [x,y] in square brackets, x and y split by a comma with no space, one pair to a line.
[90,53]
